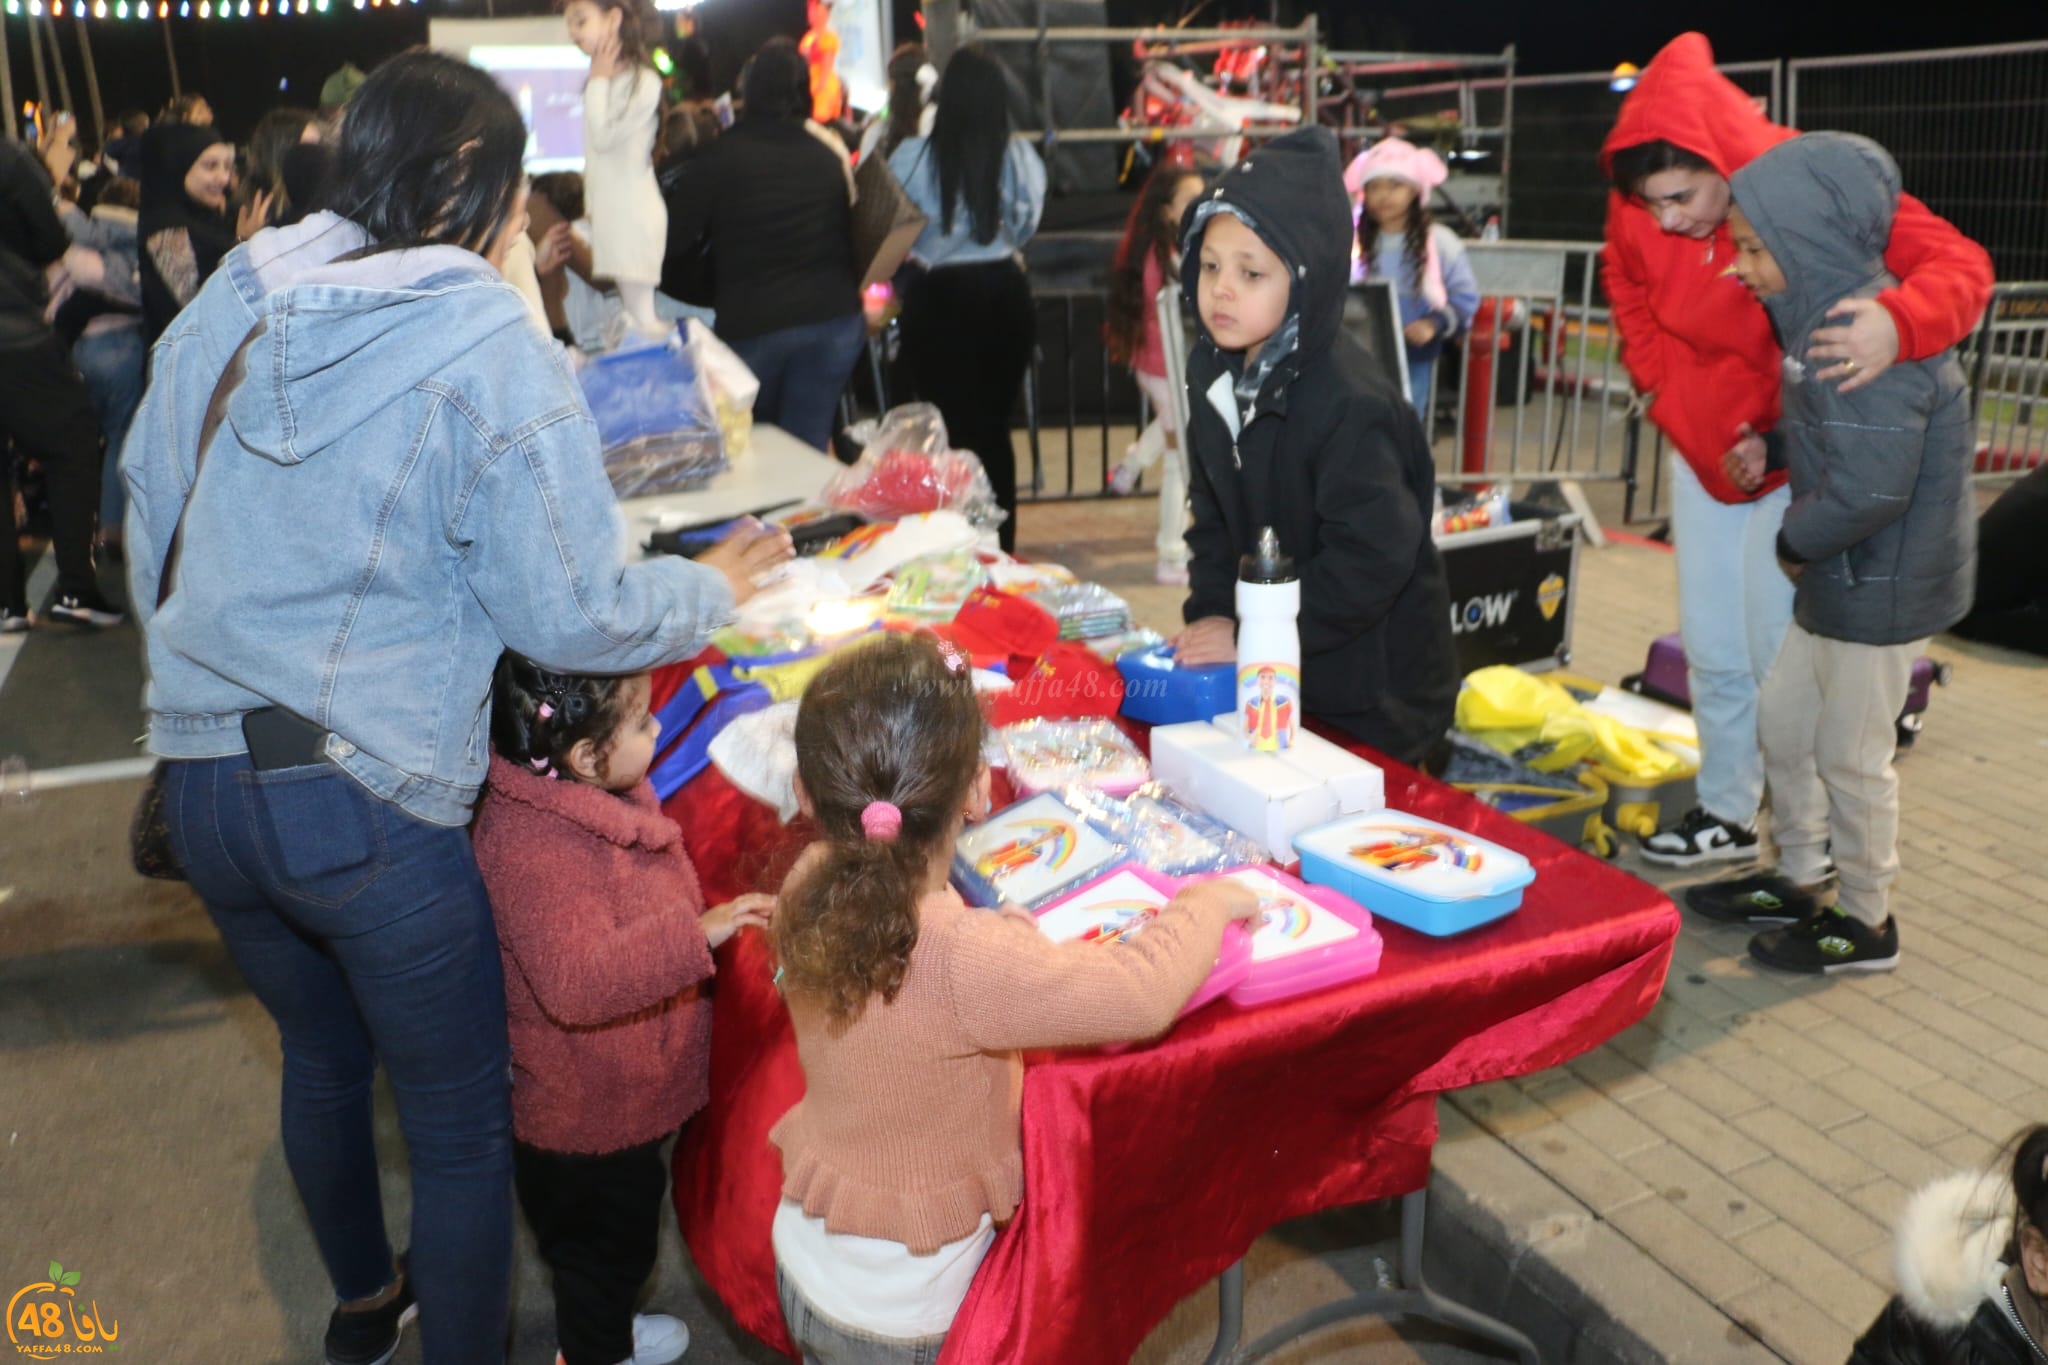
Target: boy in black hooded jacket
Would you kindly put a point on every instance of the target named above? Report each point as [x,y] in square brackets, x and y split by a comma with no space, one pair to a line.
[1291,427]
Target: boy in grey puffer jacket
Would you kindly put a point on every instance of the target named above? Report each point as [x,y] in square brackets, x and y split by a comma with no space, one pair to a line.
[1881,540]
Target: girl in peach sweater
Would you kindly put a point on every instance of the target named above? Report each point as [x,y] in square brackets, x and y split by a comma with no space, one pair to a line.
[910,1009]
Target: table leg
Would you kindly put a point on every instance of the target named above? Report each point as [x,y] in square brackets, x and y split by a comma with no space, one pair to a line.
[1229,1314]
[1414,1298]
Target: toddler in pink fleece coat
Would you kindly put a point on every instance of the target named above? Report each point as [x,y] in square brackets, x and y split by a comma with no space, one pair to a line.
[607,946]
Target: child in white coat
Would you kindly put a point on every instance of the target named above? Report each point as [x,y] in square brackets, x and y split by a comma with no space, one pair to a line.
[621,115]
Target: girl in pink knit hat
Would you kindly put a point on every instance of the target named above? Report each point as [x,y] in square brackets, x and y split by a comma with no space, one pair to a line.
[1399,240]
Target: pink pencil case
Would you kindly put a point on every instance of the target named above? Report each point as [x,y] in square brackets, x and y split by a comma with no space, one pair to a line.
[1118,904]
[1311,937]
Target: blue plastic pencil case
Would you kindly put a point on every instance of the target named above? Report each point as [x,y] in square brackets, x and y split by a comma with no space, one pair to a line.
[1159,692]
[1432,878]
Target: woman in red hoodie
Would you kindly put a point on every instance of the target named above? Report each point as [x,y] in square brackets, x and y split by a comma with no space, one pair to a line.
[1701,348]
[607,948]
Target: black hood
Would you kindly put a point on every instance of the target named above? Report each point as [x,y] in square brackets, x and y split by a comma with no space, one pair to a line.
[1823,204]
[1292,191]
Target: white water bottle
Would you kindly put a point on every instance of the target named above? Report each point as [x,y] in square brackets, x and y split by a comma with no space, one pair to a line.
[1268,647]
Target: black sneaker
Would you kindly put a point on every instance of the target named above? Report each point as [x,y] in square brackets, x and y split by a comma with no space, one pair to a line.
[1759,898]
[1826,942]
[1700,838]
[370,1336]
[89,609]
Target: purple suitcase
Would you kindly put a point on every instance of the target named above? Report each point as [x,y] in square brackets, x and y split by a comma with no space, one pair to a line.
[1663,678]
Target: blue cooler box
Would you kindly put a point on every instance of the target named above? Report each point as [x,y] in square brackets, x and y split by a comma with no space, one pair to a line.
[1158,692]
[1430,877]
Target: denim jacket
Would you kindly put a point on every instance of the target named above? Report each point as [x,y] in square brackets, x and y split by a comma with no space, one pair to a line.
[404,483]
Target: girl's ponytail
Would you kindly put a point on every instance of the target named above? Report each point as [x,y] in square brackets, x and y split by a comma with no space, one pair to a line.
[1415,247]
[888,745]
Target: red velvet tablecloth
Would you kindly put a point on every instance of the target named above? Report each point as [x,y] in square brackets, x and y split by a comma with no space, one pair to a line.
[1149,1172]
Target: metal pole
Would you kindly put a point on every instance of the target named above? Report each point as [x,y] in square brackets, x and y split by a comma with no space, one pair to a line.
[35,61]
[12,130]
[1308,68]
[1507,137]
[942,30]
[57,64]
[1045,113]
[171,56]
[92,85]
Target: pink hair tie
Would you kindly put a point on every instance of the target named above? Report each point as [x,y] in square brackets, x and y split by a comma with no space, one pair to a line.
[882,820]
[546,712]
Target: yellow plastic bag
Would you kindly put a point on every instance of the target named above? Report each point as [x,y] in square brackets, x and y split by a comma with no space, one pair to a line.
[1514,711]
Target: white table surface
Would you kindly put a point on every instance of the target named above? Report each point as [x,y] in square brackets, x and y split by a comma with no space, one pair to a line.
[776,467]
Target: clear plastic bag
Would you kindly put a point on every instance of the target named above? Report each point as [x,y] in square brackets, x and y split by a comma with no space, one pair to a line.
[1046,755]
[908,466]
[1085,611]
[728,383]
[658,431]
[1162,833]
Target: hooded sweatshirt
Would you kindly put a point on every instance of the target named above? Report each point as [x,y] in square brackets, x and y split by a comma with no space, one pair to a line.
[1882,514]
[1691,333]
[405,483]
[1315,444]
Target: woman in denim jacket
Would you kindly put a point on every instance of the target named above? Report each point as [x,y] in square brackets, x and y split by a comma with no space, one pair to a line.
[400,481]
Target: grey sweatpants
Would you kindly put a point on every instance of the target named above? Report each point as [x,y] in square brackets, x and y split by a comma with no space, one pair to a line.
[1828,718]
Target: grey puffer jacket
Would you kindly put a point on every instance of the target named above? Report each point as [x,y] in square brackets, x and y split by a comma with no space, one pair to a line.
[1881,512]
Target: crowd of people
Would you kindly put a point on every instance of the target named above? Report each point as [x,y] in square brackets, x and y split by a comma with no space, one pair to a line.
[398,662]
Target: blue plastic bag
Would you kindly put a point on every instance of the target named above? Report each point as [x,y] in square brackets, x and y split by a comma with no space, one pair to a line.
[659,433]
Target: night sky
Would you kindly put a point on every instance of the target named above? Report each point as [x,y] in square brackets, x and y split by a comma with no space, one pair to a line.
[239,63]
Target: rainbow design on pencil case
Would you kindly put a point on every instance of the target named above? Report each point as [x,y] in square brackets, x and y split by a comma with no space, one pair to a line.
[1119,921]
[1283,917]
[1050,842]
[1404,848]
[855,543]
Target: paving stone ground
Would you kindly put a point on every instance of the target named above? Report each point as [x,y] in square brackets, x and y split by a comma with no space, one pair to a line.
[1755,1136]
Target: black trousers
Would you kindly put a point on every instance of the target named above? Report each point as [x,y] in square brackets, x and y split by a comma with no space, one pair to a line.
[598,1222]
[968,333]
[45,409]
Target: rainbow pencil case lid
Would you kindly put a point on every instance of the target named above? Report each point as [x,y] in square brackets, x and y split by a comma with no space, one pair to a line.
[1028,853]
[1117,907]
[1427,876]
[1306,938]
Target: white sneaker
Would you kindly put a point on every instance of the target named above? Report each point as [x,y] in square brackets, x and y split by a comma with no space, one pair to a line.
[658,1339]
[1701,837]
[1170,575]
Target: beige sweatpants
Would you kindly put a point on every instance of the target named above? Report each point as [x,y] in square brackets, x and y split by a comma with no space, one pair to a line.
[1828,718]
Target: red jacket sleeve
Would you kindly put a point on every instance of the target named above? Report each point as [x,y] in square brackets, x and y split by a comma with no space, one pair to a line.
[1621,272]
[1944,281]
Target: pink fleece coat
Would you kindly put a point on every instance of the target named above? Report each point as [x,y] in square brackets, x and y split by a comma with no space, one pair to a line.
[597,908]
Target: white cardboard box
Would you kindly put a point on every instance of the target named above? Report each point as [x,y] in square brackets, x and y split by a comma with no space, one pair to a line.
[1264,796]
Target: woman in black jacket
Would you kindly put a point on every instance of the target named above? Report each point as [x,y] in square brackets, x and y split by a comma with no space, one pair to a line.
[1972,1265]
[184,227]
[1307,438]
[771,202]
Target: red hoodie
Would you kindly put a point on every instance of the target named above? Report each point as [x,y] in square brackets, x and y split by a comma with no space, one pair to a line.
[1691,334]
[606,967]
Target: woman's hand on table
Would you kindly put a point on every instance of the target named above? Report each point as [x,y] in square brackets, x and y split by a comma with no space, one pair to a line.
[721,922]
[747,555]
[1211,640]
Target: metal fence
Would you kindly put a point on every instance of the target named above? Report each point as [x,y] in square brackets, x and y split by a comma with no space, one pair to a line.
[1536,392]
[1968,127]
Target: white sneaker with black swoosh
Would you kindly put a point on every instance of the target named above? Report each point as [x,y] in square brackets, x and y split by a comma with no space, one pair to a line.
[1701,838]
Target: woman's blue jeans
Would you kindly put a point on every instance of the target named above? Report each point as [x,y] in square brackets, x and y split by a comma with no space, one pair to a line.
[368,937]
[802,371]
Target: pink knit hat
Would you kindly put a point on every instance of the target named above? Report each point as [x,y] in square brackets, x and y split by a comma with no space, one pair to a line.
[1419,166]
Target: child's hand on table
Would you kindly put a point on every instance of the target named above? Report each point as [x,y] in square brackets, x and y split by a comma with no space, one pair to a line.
[721,922]
[1243,902]
[1211,640]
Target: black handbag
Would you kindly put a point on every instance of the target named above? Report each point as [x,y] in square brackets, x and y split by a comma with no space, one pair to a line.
[149,831]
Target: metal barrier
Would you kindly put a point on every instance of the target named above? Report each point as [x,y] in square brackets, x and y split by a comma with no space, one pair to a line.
[2006,362]
[1965,126]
